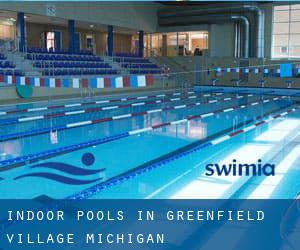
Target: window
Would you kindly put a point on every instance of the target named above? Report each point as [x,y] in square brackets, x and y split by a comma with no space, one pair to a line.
[90,42]
[286,33]
[186,43]
[157,44]
[6,32]
[50,40]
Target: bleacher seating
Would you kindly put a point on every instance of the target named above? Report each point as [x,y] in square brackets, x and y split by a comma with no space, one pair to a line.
[64,57]
[57,51]
[131,60]
[125,54]
[14,72]
[136,64]
[146,71]
[59,63]
[62,64]
[5,64]
[7,67]
[73,72]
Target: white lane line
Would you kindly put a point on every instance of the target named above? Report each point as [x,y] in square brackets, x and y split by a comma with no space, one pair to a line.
[31,118]
[75,112]
[111,107]
[142,97]
[154,111]
[138,131]
[179,121]
[138,104]
[179,106]
[105,101]
[221,139]
[72,105]
[207,115]
[71,125]
[227,110]
[121,116]
[37,109]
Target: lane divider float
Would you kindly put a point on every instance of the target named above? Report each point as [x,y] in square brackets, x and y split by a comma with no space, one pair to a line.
[102,120]
[79,104]
[91,191]
[28,159]
[12,121]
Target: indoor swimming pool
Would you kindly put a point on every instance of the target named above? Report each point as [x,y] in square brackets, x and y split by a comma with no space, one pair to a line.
[150,145]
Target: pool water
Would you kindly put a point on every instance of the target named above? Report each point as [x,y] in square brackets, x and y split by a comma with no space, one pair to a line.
[149,145]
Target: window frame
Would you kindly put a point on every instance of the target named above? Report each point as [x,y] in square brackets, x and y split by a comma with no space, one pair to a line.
[289,34]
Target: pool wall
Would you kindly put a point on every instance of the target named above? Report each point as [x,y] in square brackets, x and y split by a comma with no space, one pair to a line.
[9,92]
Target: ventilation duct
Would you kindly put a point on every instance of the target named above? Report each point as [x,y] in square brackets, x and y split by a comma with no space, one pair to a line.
[245,37]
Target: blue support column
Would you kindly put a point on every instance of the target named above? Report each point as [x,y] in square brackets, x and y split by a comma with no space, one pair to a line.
[110,40]
[21,31]
[141,43]
[71,35]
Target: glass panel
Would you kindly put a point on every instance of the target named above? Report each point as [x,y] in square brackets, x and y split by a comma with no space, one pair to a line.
[171,44]
[280,40]
[281,16]
[281,28]
[295,15]
[281,7]
[50,40]
[183,39]
[295,28]
[294,40]
[295,51]
[199,40]
[157,44]
[189,43]
[295,6]
[280,52]
[286,31]
[6,32]
[172,39]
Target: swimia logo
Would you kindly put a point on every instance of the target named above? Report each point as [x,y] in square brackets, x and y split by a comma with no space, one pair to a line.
[240,169]
[68,174]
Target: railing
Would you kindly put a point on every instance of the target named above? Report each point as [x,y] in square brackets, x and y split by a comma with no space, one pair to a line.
[141,62]
[4,50]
